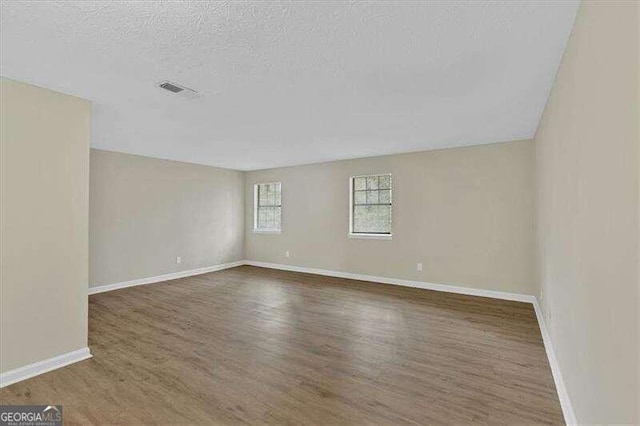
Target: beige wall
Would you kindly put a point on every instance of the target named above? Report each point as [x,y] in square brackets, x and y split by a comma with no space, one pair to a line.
[44,254]
[145,212]
[587,168]
[467,214]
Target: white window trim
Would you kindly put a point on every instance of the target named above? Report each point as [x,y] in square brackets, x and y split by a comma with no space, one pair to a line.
[257,230]
[267,231]
[359,235]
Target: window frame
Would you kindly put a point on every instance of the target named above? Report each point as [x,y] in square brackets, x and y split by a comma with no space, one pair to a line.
[256,194]
[365,235]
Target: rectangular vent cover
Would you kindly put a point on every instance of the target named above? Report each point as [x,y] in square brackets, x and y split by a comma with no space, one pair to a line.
[171,87]
[178,89]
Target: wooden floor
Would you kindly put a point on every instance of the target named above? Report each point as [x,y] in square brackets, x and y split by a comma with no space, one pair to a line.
[252,345]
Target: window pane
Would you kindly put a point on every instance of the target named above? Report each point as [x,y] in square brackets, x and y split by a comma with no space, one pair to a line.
[269,194]
[359,183]
[269,217]
[372,182]
[384,196]
[360,197]
[372,219]
[385,182]
[372,197]
[277,217]
[269,221]
[262,189]
[262,217]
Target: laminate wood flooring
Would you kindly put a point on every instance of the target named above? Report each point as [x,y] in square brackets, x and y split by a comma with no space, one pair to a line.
[260,346]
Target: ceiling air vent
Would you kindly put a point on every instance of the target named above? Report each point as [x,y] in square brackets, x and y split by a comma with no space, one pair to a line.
[177,89]
[171,87]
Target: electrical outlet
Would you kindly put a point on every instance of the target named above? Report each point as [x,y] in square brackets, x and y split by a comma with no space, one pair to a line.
[419,266]
[178,260]
[286,254]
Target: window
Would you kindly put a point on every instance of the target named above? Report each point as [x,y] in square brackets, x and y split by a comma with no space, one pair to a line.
[267,207]
[371,203]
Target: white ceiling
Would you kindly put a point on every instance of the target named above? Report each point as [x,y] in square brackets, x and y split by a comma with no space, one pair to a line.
[293,82]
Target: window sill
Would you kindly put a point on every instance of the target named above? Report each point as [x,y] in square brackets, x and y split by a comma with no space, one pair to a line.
[371,236]
[267,231]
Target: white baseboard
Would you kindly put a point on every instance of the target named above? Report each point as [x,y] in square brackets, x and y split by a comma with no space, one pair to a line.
[395,281]
[563,395]
[384,280]
[164,277]
[22,373]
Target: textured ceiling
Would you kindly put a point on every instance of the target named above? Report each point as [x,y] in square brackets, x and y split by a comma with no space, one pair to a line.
[292,82]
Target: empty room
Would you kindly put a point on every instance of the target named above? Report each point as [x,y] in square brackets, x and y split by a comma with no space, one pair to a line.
[320,212]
